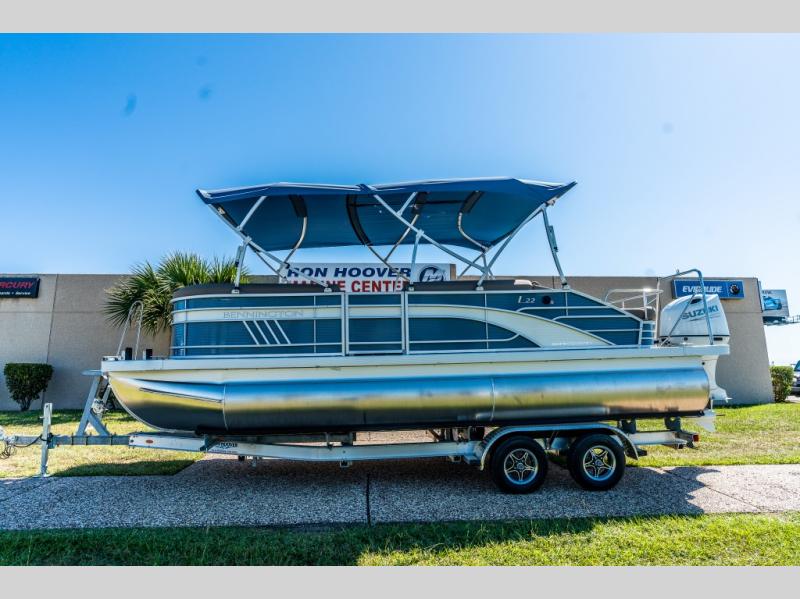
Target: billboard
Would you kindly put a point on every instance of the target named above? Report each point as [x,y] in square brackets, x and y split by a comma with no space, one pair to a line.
[369,277]
[725,289]
[774,305]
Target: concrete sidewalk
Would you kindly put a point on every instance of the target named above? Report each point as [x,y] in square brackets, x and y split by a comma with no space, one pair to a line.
[220,491]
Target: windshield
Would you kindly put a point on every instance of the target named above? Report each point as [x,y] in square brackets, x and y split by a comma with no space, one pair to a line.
[797,366]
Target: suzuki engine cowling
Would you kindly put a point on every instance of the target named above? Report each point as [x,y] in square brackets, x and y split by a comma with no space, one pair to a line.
[683,321]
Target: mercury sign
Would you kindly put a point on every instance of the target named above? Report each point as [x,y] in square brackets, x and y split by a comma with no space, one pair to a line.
[19,286]
[724,289]
[370,277]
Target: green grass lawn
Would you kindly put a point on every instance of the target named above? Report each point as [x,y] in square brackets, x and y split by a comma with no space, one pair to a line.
[741,539]
[82,461]
[765,434]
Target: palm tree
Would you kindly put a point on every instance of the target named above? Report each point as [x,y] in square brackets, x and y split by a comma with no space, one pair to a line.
[154,286]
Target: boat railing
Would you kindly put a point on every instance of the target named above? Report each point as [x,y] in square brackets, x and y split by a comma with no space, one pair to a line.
[634,299]
[644,297]
[135,313]
[703,295]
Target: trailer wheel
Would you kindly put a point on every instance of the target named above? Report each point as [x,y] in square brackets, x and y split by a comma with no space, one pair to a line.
[518,465]
[596,462]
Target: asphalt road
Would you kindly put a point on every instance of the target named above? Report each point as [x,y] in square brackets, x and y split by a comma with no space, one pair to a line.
[221,491]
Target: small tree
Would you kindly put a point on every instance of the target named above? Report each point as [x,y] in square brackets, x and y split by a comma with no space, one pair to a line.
[782,377]
[26,382]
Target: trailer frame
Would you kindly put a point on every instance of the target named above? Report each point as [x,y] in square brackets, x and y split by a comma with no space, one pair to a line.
[454,444]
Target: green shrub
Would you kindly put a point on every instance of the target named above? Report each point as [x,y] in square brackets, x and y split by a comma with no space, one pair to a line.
[26,382]
[782,377]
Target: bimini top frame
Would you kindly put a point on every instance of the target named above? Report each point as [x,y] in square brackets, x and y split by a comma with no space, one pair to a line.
[478,214]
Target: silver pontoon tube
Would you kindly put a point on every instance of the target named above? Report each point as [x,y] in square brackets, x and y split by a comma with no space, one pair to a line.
[396,403]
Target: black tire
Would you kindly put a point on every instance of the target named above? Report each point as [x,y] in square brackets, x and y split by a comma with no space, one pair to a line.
[600,471]
[522,458]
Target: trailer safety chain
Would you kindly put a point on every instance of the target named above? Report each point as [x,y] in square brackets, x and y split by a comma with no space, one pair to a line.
[10,444]
[8,450]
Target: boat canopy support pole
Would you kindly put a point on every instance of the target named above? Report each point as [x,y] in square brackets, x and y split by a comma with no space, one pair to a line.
[396,272]
[260,252]
[240,263]
[263,254]
[505,243]
[250,213]
[483,249]
[285,264]
[414,255]
[551,240]
[402,237]
[482,258]
[422,233]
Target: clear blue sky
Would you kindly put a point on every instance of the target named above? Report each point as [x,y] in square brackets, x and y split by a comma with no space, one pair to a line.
[685,147]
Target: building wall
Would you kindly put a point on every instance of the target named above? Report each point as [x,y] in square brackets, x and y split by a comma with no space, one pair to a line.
[65,327]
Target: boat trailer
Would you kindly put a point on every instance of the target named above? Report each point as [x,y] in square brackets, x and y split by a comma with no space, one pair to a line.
[468,445]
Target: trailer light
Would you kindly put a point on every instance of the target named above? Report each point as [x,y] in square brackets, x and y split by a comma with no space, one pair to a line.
[148,441]
[695,438]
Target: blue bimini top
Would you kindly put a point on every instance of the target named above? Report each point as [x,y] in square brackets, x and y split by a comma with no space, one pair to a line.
[471,213]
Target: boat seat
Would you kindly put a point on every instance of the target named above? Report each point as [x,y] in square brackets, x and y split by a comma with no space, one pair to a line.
[271,288]
[648,313]
[489,285]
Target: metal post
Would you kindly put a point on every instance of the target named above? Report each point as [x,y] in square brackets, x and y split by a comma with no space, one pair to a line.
[251,212]
[88,416]
[87,407]
[240,264]
[419,231]
[396,272]
[283,269]
[47,416]
[705,307]
[551,240]
[501,248]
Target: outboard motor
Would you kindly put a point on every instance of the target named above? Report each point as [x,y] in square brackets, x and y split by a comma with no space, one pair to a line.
[683,321]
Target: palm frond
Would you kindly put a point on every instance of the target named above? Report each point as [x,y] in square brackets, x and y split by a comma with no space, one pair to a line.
[154,287]
[223,270]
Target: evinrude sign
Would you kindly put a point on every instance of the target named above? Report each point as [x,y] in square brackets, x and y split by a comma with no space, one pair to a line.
[19,286]
[369,277]
[724,289]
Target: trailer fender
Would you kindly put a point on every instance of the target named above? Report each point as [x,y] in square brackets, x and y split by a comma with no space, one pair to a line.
[547,430]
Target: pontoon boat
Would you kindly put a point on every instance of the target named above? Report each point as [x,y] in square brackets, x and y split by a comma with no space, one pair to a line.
[477,352]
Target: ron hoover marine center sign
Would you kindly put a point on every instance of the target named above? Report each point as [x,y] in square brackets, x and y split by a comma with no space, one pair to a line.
[369,277]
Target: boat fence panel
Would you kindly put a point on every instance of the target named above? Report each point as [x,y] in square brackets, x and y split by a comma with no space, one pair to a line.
[404,322]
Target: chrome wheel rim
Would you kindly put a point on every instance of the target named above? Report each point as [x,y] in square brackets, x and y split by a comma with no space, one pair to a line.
[599,463]
[521,466]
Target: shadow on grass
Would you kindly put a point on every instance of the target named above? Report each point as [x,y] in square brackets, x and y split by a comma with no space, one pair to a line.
[337,545]
[141,468]
[657,540]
